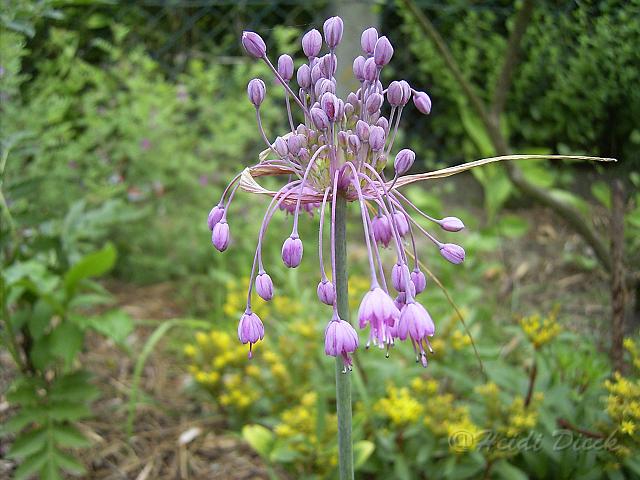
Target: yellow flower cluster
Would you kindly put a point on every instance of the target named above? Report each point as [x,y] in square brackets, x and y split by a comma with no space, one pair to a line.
[623,405]
[541,331]
[632,347]
[399,406]
[219,364]
[300,427]
[358,286]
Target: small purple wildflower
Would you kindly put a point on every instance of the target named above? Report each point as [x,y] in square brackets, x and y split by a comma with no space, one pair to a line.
[250,329]
[340,339]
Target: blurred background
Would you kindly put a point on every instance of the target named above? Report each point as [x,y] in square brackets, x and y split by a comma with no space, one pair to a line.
[121,124]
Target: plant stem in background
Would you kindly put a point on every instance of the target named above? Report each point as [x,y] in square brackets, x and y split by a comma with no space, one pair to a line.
[343,380]
[618,293]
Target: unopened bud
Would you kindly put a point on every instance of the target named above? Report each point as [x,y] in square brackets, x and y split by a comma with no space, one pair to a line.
[214,216]
[304,76]
[312,43]
[358,68]
[220,235]
[452,252]
[362,130]
[377,138]
[383,51]
[374,102]
[326,293]
[253,44]
[292,252]
[422,102]
[319,118]
[370,70]
[264,286]
[419,280]
[333,28]
[285,67]
[256,90]
[368,40]
[451,224]
[280,146]
[404,160]
[395,94]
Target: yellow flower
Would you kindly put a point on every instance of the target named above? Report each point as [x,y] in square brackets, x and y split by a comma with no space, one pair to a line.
[190,350]
[628,427]
[541,331]
[399,406]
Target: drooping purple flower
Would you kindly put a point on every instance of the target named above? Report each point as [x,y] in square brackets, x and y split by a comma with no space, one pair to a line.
[402,224]
[312,43]
[254,44]
[382,229]
[264,286]
[415,323]
[333,28]
[292,252]
[419,280]
[256,90]
[451,224]
[452,252]
[400,277]
[383,51]
[220,235]
[326,292]
[379,312]
[250,329]
[422,102]
[340,338]
[215,215]
[368,40]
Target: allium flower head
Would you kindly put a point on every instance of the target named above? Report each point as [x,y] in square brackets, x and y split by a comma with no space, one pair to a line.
[334,147]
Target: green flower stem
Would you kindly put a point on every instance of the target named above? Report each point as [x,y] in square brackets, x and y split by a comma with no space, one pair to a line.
[343,380]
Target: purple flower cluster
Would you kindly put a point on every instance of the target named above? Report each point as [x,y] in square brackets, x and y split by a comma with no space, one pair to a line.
[341,147]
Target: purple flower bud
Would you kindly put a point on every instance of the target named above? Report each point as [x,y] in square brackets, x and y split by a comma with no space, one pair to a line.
[250,329]
[354,143]
[358,68]
[264,286]
[280,146]
[256,91]
[285,66]
[383,51]
[363,130]
[323,86]
[377,138]
[419,280]
[370,70]
[295,143]
[384,123]
[316,74]
[303,154]
[220,235]
[215,215]
[292,252]
[312,43]
[348,109]
[345,177]
[374,102]
[304,76]
[422,102]
[406,92]
[326,293]
[402,224]
[342,138]
[451,224]
[340,338]
[328,65]
[395,94]
[452,252]
[400,302]
[253,44]
[328,104]
[368,40]
[404,160]
[382,229]
[333,28]
[400,277]
[319,118]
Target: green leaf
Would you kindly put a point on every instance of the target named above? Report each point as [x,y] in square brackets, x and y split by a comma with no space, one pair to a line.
[68,463]
[74,387]
[92,265]
[49,470]
[260,438]
[40,318]
[30,465]
[25,417]
[362,450]
[69,436]
[115,324]
[28,443]
[505,470]
[67,411]
[601,191]
[66,341]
